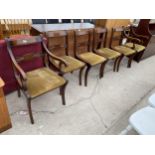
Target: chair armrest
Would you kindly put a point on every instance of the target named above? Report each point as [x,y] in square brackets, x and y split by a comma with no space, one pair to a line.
[134,39]
[54,56]
[131,38]
[138,35]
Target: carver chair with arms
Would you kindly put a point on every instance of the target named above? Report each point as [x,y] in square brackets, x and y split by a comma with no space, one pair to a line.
[138,46]
[37,79]
[119,36]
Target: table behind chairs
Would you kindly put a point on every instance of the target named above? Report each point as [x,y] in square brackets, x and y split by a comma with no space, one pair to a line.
[69,27]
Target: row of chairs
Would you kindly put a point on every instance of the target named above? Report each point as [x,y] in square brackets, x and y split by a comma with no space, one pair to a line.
[55,21]
[41,80]
[100,55]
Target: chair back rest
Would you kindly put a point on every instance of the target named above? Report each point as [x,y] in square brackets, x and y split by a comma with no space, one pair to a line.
[27,52]
[100,35]
[57,42]
[118,35]
[82,41]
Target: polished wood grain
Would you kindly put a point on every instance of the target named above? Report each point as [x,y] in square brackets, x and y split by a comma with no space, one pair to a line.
[5,121]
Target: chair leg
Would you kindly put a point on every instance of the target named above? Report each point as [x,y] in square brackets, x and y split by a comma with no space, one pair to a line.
[119,61]
[61,74]
[18,92]
[130,60]
[102,69]
[80,75]
[115,64]
[86,74]
[30,110]
[62,92]
[140,56]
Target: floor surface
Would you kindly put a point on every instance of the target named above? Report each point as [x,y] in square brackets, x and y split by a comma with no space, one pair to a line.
[101,108]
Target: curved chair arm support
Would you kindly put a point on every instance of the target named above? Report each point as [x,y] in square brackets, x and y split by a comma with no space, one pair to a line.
[54,56]
[131,38]
[138,35]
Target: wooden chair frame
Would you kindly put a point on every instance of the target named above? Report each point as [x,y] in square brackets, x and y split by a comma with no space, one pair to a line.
[124,34]
[19,73]
[77,34]
[101,43]
[135,38]
[61,34]
[143,39]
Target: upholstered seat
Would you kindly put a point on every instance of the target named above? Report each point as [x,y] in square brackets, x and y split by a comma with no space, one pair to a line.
[42,80]
[91,58]
[138,47]
[72,64]
[124,50]
[108,53]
